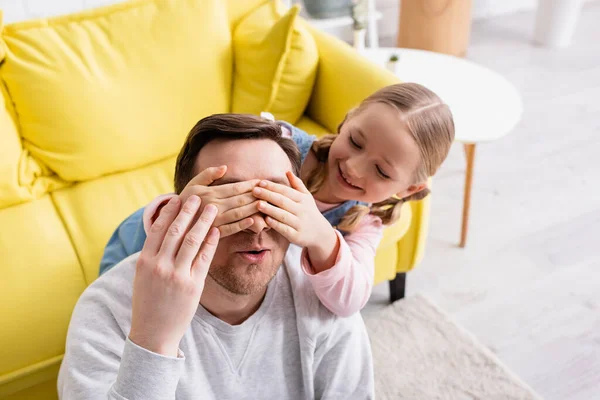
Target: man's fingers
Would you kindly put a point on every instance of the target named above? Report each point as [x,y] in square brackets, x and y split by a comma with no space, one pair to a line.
[287,231]
[159,227]
[296,182]
[278,199]
[234,189]
[287,191]
[208,176]
[279,214]
[231,229]
[237,214]
[201,263]
[176,231]
[193,239]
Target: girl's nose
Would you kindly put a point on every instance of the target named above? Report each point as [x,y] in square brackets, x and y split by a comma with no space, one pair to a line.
[353,167]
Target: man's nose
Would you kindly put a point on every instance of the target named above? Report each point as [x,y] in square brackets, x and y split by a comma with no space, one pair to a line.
[259,224]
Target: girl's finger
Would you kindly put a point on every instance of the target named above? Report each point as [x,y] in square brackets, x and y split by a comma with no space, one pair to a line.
[296,182]
[236,201]
[178,228]
[278,199]
[158,230]
[234,189]
[279,214]
[287,191]
[231,229]
[287,231]
[192,241]
[201,263]
[208,176]
[237,214]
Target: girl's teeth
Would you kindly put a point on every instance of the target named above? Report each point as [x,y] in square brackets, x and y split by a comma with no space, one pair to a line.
[346,179]
[348,182]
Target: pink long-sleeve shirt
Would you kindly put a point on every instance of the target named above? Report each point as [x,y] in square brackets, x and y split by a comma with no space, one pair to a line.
[344,288]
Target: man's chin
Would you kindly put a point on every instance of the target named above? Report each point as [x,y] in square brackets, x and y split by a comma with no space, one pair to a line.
[244,278]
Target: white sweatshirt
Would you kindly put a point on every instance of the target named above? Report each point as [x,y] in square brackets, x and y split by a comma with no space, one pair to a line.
[292,347]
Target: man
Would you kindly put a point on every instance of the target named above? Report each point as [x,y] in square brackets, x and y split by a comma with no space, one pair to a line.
[195,317]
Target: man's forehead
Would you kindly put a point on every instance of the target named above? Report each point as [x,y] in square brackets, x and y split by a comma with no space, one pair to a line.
[245,160]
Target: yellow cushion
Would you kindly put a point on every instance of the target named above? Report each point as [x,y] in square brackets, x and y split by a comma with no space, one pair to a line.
[92,210]
[312,127]
[41,282]
[238,9]
[13,188]
[17,169]
[276,61]
[21,177]
[119,86]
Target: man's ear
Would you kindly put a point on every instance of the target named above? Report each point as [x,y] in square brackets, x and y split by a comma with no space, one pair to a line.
[412,189]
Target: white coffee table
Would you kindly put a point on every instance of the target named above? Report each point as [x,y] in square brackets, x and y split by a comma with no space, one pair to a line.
[485,105]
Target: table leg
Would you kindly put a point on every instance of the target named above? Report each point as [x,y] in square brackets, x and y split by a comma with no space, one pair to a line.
[470,158]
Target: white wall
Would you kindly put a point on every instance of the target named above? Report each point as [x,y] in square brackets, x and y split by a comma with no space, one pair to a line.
[388,25]
[492,8]
[17,10]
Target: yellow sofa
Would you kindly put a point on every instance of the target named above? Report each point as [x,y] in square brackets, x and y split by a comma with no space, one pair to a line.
[95,107]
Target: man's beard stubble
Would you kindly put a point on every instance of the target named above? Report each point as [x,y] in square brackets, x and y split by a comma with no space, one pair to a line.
[255,279]
[252,278]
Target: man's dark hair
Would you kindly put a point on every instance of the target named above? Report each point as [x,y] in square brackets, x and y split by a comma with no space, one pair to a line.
[229,127]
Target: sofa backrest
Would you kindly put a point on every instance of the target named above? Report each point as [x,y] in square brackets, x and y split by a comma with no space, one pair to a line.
[110,90]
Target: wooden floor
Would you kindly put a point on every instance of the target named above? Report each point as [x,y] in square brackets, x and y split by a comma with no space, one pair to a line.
[528,283]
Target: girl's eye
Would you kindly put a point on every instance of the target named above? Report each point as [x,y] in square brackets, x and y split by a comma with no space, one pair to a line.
[354,143]
[382,174]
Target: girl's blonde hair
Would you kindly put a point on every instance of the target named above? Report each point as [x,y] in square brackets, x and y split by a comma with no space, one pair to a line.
[430,124]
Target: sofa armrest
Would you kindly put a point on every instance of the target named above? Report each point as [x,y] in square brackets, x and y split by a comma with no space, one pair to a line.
[411,248]
[344,79]
[394,233]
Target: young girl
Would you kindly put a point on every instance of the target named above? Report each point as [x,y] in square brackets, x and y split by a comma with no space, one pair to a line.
[383,154]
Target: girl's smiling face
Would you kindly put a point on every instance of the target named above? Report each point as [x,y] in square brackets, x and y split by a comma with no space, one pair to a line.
[374,157]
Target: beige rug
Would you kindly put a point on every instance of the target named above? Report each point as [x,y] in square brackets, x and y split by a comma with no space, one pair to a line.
[420,354]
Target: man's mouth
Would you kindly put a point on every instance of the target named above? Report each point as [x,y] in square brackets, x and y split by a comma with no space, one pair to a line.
[254,255]
[344,179]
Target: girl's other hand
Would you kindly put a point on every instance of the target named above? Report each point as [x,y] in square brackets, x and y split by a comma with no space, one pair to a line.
[292,212]
[234,201]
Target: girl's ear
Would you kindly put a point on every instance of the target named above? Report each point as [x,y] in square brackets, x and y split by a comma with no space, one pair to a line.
[412,189]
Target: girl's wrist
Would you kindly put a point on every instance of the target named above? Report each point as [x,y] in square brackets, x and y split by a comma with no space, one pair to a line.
[323,252]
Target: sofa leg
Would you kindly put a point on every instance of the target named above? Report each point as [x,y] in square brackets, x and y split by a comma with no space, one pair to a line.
[398,287]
